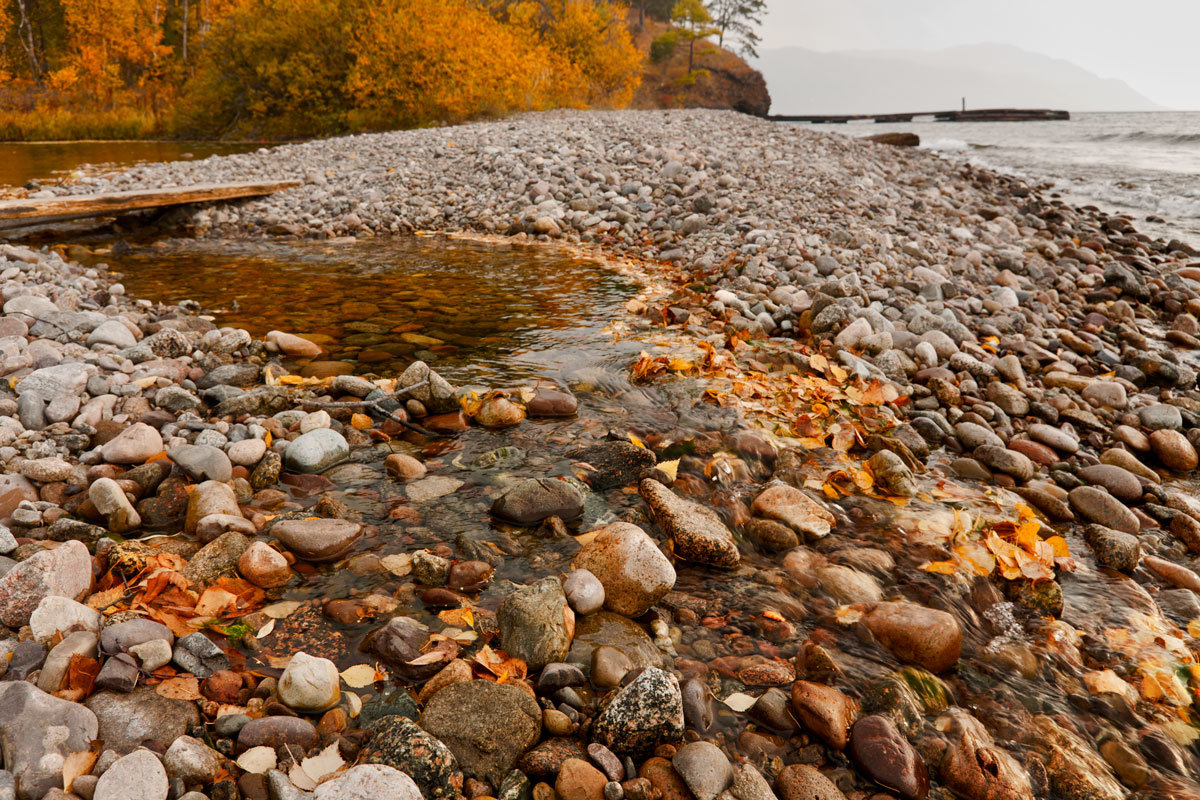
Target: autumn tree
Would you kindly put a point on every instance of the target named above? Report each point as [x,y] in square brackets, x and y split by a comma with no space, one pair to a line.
[274,68]
[740,20]
[695,24]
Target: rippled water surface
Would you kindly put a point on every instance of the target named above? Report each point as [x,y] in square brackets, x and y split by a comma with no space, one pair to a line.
[477,312]
[21,162]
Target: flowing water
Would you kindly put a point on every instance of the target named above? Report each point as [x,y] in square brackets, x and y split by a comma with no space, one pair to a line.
[21,162]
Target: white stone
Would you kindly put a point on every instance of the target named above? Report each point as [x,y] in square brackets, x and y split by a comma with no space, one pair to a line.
[309,684]
[55,614]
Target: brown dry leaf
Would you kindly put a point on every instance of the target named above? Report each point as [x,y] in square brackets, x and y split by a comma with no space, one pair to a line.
[106,598]
[81,674]
[460,617]
[214,601]
[180,688]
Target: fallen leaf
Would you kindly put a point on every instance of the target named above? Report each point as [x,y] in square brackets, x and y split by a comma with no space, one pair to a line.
[282,609]
[359,676]
[77,764]
[740,701]
[323,763]
[258,760]
[180,688]
[669,468]
[214,601]
[846,615]
[399,564]
[265,630]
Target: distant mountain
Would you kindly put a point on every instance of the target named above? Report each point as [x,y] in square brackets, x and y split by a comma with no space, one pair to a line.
[891,81]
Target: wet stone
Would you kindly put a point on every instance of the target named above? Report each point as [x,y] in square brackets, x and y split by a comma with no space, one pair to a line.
[647,712]
[614,463]
[634,572]
[1115,549]
[199,655]
[888,758]
[317,540]
[698,533]
[533,623]
[532,500]
[1119,482]
[1102,508]
[825,711]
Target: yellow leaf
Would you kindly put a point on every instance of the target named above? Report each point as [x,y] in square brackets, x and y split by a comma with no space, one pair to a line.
[846,615]
[1060,546]
[669,468]
[941,567]
[359,676]
[633,438]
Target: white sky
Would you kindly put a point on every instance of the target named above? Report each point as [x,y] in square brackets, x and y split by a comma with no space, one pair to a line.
[1150,44]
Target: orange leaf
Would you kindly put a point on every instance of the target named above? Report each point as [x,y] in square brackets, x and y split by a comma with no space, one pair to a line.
[941,567]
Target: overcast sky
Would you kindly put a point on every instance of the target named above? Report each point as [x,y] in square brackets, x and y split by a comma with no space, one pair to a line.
[1150,44]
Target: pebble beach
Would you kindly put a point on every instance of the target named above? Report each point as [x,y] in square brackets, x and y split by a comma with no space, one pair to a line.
[912,512]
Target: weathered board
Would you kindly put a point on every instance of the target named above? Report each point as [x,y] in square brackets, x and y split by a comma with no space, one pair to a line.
[34,210]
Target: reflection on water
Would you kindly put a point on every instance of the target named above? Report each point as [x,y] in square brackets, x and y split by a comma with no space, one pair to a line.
[21,162]
[479,313]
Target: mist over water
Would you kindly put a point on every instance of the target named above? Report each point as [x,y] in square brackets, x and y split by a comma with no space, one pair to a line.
[1145,164]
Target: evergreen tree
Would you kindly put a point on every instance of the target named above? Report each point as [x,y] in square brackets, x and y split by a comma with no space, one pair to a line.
[695,23]
[739,20]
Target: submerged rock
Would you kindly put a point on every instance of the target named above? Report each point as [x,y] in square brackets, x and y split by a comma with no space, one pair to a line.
[697,532]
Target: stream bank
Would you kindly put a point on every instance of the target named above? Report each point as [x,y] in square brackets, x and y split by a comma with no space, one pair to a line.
[959,532]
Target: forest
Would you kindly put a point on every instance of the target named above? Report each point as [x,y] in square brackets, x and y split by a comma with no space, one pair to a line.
[277,69]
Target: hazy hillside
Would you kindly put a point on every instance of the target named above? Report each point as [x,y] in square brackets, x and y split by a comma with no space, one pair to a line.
[723,79]
[988,75]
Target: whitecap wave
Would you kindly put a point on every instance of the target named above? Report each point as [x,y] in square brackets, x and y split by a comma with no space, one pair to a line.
[946,145]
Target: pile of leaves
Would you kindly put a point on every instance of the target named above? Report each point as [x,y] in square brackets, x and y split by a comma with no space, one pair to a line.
[1012,549]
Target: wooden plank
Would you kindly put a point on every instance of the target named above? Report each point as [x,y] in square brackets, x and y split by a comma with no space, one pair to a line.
[91,205]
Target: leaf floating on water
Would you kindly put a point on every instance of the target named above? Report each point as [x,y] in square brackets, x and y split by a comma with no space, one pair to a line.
[265,630]
[669,468]
[282,609]
[940,567]
[848,616]
[360,676]
[1106,680]
[399,564]
[740,701]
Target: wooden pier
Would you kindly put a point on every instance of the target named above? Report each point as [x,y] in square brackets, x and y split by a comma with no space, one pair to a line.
[31,211]
[974,115]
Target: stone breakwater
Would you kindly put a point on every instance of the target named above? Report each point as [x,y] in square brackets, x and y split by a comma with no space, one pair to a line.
[964,564]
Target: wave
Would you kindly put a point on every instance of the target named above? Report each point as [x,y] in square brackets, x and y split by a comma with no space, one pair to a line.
[947,145]
[1155,137]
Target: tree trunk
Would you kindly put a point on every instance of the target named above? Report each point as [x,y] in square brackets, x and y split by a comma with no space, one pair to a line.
[186,8]
[691,52]
[27,42]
